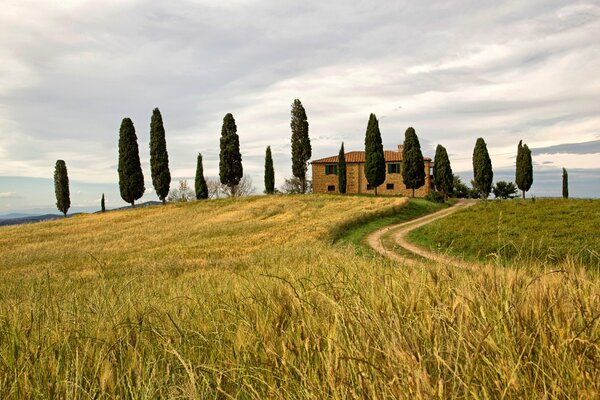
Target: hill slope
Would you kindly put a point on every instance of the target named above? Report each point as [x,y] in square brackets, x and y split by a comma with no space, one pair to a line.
[545,230]
[248,298]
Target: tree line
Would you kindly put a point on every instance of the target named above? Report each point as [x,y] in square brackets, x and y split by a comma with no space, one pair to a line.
[231,173]
[444,182]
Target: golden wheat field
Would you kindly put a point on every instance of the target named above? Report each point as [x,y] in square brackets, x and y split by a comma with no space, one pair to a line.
[251,298]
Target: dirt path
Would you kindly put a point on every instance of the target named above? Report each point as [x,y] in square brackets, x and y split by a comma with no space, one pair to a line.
[401,231]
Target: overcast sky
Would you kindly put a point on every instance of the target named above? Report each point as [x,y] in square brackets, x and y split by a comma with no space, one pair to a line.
[454,70]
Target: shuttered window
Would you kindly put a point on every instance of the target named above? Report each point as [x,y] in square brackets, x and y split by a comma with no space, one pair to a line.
[331,169]
[394,168]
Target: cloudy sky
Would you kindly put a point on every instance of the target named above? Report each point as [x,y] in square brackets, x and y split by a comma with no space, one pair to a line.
[455,70]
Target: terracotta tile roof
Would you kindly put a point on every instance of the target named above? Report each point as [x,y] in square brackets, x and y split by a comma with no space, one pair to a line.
[359,157]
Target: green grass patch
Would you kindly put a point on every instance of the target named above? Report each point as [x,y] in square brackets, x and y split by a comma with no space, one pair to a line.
[543,230]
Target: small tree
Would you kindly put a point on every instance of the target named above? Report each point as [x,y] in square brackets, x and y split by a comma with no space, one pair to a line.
[565,184]
[230,158]
[200,183]
[482,169]
[293,185]
[102,204]
[505,190]
[131,178]
[243,188]
[182,194]
[413,165]
[159,158]
[374,157]
[443,178]
[269,172]
[524,173]
[342,170]
[61,187]
[301,148]
[459,189]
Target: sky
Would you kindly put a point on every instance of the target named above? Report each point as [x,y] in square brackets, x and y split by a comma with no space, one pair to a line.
[454,70]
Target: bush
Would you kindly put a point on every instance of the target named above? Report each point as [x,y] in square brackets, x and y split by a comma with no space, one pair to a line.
[435,197]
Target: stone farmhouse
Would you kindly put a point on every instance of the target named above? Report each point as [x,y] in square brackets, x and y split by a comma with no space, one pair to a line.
[325,175]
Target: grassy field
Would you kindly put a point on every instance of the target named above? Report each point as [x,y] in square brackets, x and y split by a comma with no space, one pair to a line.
[545,231]
[251,298]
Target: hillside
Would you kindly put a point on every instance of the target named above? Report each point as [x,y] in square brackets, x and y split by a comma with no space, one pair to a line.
[545,231]
[249,298]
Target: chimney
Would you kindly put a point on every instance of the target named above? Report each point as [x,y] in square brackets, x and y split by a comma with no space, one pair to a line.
[400,147]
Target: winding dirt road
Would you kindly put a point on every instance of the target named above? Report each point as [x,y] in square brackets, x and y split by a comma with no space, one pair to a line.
[401,231]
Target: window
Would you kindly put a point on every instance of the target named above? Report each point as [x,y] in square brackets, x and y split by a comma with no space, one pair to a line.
[331,188]
[394,168]
[331,169]
[389,186]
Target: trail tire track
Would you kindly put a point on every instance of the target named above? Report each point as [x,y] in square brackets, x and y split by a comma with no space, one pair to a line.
[401,231]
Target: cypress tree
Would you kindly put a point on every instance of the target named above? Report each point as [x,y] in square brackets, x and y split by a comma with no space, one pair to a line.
[61,187]
[524,173]
[443,177]
[301,149]
[482,169]
[102,204]
[269,172]
[159,158]
[230,159]
[200,183]
[413,165]
[374,157]
[342,170]
[131,178]
[565,184]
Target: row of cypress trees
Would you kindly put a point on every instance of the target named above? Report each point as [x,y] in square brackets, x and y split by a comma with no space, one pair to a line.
[483,174]
[413,167]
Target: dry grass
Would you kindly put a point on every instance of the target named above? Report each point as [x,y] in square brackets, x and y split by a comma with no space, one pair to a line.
[248,298]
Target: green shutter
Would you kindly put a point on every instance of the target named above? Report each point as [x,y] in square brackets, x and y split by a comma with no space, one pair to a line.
[325,169]
[335,169]
[389,168]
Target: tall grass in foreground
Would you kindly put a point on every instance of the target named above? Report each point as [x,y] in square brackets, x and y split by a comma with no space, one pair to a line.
[294,318]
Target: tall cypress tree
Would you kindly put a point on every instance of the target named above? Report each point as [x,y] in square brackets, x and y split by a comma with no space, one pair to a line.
[159,158]
[61,187]
[443,177]
[374,157]
[200,183]
[301,149]
[131,178]
[102,204]
[482,169]
[524,173]
[565,184]
[413,165]
[230,159]
[269,172]
[342,170]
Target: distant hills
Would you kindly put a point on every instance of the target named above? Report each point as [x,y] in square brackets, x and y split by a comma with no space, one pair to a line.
[26,218]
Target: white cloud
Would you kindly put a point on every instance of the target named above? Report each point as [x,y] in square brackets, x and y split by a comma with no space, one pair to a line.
[454,70]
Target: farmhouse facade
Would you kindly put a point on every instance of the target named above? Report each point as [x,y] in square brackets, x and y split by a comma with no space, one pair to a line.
[325,175]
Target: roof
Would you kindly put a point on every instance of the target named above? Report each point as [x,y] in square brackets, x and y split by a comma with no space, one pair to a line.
[359,157]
